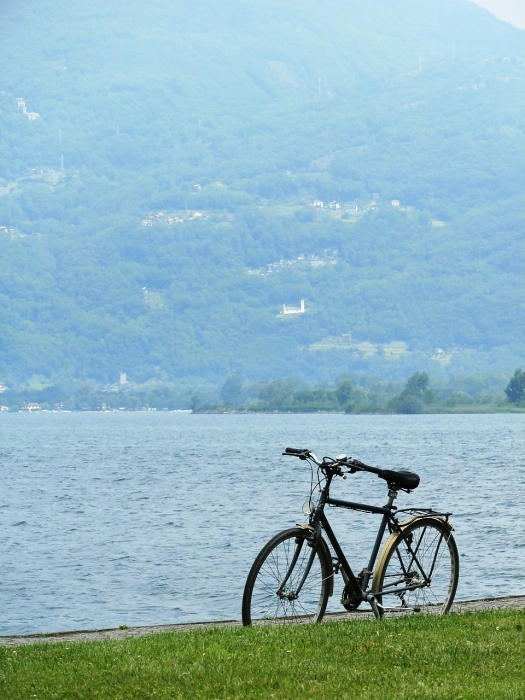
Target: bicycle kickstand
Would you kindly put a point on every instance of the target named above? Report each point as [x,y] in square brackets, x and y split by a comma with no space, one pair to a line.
[370,598]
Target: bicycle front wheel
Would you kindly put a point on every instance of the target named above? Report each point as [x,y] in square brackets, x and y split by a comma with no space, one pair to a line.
[418,568]
[289,581]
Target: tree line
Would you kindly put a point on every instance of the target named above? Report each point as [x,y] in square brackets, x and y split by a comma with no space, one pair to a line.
[364,395]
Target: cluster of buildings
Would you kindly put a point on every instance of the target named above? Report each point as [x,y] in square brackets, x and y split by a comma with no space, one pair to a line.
[29,407]
[169,219]
[329,257]
[318,204]
[397,204]
[198,187]
[20,102]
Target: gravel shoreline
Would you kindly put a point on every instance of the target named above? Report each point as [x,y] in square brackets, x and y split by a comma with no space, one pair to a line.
[510,602]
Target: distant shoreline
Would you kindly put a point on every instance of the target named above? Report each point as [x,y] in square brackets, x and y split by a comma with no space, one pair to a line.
[456,410]
[441,411]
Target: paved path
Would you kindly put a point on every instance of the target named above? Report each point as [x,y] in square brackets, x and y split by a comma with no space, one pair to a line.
[510,602]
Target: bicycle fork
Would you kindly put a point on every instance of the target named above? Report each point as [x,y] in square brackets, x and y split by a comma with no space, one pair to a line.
[294,594]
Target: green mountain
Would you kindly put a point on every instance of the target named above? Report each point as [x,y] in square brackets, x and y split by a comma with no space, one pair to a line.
[160,162]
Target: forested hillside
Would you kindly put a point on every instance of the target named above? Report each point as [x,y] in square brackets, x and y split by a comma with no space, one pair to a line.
[163,167]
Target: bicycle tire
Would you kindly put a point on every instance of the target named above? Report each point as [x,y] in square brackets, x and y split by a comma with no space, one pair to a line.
[264,600]
[423,549]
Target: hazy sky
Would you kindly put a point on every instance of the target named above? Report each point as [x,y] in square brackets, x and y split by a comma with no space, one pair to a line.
[512,11]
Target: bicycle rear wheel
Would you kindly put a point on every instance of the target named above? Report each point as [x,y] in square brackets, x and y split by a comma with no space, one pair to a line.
[289,581]
[418,568]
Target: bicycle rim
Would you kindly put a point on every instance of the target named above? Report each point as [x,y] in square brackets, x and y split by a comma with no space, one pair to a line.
[273,592]
[419,570]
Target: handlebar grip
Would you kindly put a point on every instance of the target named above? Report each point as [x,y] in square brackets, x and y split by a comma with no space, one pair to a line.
[358,463]
[365,467]
[295,451]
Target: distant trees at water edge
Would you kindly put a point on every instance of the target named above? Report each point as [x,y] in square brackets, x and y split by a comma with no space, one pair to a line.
[372,395]
[350,394]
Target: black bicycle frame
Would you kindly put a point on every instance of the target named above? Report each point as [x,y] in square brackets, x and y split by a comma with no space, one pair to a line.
[319,520]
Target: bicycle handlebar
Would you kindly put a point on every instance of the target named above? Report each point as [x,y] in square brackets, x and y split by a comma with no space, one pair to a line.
[400,479]
[302,454]
[356,465]
[353,464]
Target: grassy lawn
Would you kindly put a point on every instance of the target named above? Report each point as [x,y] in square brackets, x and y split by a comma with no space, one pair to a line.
[478,655]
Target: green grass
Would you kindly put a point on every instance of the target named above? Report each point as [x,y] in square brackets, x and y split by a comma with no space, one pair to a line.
[479,655]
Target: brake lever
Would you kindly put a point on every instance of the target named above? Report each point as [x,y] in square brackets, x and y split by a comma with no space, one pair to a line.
[352,465]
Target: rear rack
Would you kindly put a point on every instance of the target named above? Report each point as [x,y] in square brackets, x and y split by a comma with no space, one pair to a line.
[419,513]
[423,511]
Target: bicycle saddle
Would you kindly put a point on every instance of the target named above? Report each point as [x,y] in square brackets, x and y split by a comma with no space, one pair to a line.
[404,480]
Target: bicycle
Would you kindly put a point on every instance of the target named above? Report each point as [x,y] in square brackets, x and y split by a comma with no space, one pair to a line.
[292,577]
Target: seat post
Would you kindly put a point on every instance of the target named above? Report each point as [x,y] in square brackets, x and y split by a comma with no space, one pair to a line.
[392,495]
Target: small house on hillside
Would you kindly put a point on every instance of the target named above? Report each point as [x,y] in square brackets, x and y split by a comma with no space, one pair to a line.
[287,310]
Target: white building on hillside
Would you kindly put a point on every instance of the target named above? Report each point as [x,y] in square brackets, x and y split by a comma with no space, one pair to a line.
[293,309]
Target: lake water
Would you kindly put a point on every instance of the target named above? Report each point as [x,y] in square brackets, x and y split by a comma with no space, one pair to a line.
[155,518]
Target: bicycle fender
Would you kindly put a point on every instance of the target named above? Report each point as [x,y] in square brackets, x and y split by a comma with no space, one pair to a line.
[423,516]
